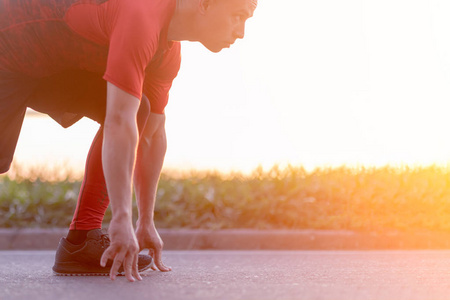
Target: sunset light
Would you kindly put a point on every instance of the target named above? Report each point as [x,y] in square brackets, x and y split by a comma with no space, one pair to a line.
[229,149]
[314,83]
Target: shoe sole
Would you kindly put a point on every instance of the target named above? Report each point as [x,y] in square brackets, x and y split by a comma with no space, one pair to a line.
[96,274]
[82,274]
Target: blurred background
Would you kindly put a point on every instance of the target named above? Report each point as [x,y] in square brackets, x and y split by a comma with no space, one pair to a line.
[331,114]
[314,83]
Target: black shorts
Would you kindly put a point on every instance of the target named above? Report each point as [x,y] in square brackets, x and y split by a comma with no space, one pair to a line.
[66,97]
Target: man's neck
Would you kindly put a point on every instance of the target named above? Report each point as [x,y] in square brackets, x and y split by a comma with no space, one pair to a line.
[183,26]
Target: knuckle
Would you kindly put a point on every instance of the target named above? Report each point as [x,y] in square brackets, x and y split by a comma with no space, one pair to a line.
[118,261]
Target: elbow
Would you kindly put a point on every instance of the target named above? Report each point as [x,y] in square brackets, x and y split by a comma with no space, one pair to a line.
[150,145]
[119,124]
[160,139]
[116,118]
[162,142]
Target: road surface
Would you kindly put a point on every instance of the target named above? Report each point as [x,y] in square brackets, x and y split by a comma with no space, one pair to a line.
[245,275]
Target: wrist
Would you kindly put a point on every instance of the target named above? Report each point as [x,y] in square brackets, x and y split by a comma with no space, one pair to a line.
[145,221]
[122,217]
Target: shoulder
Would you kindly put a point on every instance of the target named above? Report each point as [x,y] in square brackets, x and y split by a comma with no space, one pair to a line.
[142,21]
[154,12]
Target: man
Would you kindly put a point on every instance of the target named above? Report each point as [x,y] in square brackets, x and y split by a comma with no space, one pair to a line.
[113,61]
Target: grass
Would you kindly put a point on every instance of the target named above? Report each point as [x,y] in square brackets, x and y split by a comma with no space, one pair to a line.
[362,199]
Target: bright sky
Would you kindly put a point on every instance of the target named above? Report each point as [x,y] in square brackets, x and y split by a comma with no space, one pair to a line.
[316,83]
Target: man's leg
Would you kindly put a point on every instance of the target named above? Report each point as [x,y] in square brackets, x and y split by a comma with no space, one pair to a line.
[93,198]
[80,252]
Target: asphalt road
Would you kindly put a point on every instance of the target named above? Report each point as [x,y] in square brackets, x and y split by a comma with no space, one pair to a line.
[243,275]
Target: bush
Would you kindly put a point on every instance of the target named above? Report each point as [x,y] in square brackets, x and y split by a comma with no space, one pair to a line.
[374,199]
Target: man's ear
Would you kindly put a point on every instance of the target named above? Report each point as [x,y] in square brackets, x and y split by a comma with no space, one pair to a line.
[203,6]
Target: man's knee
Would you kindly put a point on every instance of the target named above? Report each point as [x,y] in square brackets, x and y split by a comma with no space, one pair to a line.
[5,165]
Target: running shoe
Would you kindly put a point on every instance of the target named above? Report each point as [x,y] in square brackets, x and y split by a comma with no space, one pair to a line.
[84,259]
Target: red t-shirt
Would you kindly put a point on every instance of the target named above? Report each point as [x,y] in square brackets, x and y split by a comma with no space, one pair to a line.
[122,39]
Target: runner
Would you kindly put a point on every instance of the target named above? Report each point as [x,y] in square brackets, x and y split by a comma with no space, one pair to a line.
[112,61]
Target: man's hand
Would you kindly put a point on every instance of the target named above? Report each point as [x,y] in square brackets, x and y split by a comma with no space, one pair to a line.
[124,250]
[148,238]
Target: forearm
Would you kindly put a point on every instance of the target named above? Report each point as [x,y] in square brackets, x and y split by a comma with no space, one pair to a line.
[119,153]
[148,169]
[120,138]
[149,164]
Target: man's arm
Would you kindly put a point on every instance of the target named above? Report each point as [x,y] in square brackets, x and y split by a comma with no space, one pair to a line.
[120,138]
[151,151]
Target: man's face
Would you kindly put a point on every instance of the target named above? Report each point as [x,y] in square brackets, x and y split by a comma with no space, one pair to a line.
[224,22]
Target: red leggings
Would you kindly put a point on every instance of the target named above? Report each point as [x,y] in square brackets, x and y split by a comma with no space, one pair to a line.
[93,199]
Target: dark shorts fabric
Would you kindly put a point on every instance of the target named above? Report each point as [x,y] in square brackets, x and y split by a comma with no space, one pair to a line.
[66,97]
[69,96]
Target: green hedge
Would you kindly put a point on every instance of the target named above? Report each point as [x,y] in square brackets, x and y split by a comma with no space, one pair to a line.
[374,199]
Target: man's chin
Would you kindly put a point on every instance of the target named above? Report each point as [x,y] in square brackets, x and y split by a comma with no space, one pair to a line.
[215,48]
